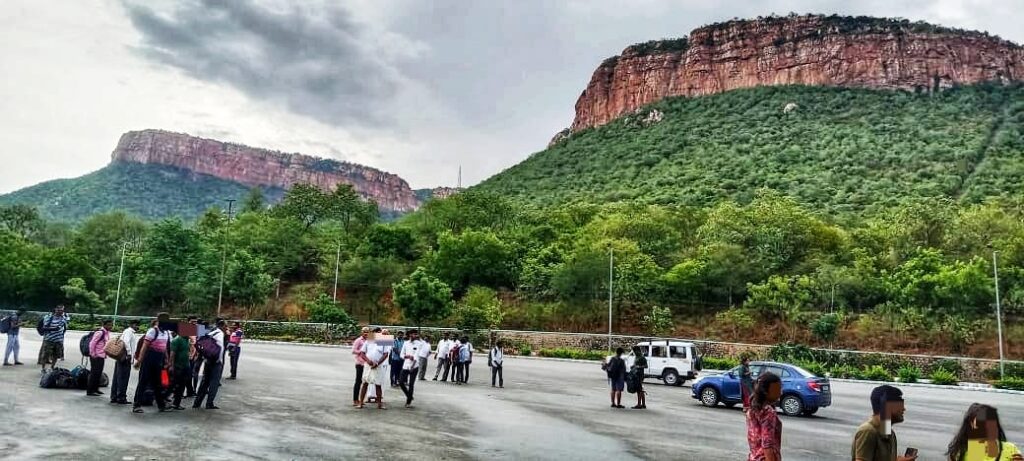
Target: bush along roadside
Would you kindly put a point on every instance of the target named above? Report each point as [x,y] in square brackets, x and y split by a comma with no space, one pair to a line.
[1016,384]
[566,353]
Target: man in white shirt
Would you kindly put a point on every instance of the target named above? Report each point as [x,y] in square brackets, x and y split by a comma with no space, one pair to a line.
[123,367]
[444,346]
[411,364]
[424,358]
[494,360]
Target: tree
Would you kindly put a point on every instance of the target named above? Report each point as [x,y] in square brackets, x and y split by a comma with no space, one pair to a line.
[781,297]
[247,282]
[473,258]
[323,309]
[423,297]
[826,327]
[21,219]
[304,202]
[479,310]
[254,202]
[162,269]
[659,322]
[83,299]
[372,277]
[386,240]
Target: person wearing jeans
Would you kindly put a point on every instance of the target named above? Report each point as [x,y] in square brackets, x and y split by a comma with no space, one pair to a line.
[212,373]
[98,357]
[494,360]
[357,347]
[235,348]
[123,367]
[424,357]
[13,342]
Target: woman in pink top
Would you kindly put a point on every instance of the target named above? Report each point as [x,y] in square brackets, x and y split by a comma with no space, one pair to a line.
[98,357]
[151,359]
[764,430]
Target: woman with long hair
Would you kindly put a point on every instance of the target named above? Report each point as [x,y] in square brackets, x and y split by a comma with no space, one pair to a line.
[981,437]
[764,429]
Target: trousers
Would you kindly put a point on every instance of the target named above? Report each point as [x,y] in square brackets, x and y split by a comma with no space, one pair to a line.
[496,373]
[234,352]
[149,378]
[443,362]
[423,368]
[407,380]
[95,374]
[179,382]
[210,385]
[359,382]
[13,346]
[119,384]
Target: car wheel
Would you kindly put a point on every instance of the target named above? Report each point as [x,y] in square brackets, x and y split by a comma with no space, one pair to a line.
[709,396]
[810,412]
[671,378]
[792,405]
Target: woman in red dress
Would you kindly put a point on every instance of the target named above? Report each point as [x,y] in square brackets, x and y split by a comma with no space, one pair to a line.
[764,429]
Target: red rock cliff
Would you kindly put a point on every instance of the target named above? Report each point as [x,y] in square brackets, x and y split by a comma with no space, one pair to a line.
[261,167]
[810,50]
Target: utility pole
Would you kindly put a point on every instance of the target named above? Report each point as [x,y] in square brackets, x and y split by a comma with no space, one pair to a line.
[337,265]
[832,303]
[459,187]
[223,262]
[120,273]
[611,271]
[999,315]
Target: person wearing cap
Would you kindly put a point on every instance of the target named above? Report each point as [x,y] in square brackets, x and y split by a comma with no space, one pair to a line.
[357,347]
[875,439]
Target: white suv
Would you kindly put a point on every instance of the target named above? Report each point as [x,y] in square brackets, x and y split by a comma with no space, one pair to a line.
[674,362]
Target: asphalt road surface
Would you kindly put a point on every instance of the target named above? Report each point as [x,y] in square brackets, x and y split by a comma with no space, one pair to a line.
[294,402]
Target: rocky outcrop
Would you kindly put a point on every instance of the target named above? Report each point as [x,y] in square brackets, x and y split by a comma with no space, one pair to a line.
[809,50]
[261,167]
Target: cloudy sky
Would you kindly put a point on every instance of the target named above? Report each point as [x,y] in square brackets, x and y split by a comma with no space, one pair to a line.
[412,87]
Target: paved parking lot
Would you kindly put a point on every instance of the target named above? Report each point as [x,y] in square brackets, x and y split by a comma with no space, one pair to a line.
[293,402]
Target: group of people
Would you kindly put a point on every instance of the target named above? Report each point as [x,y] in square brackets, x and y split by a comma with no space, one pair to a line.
[170,366]
[617,375]
[404,358]
[980,436]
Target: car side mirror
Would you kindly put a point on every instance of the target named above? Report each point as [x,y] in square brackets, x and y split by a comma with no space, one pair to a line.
[732,375]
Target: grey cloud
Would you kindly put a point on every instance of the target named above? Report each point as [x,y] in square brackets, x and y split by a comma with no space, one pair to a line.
[317,63]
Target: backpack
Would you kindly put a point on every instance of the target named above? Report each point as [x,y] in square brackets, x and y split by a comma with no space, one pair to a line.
[464,354]
[83,344]
[40,327]
[615,367]
[56,378]
[457,353]
[5,325]
[81,376]
[632,381]
[208,348]
[115,349]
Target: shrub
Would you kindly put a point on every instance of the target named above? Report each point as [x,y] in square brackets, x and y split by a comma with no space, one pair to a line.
[845,372]
[813,367]
[909,374]
[1016,384]
[943,377]
[1011,370]
[952,366]
[791,353]
[735,319]
[876,373]
[715,363]
[524,349]
[566,353]
[826,327]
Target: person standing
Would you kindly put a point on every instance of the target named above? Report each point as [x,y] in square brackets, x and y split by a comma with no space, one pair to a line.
[53,327]
[875,439]
[764,429]
[123,367]
[212,370]
[410,365]
[443,361]
[981,437]
[151,360]
[424,357]
[194,360]
[359,358]
[98,357]
[456,359]
[746,382]
[181,368]
[466,357]
[639,368]
[374,356]
[395,360]
[12,324]
[616,369]
[235,348]
[495,360]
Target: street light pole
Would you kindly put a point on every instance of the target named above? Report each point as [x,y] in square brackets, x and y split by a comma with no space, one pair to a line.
[337,263]
[223,263]
[611,281]
[999,315]
[120,273]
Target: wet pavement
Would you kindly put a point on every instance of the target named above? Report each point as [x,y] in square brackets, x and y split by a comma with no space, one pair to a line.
[294,402]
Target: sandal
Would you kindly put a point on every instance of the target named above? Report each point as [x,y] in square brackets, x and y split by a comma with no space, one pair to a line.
[137,410]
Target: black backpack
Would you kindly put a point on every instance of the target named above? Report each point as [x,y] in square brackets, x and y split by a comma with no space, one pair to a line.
[5,325]
[40,327]
[208,348]
[615,367]
[83,344]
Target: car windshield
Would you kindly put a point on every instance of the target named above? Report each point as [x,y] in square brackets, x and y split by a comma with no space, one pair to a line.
[804,373]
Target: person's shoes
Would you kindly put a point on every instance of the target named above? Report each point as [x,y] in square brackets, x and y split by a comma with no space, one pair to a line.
[231,377]
[137,410]
[123,402]
[501,386]
[92,394]
[637,407]
[189,396]
[7,364]
[165,409]
[409,405]
[195,407]
[212,407]
[18,363]
[99,392]
[178,407]
[615,406]
[435,379]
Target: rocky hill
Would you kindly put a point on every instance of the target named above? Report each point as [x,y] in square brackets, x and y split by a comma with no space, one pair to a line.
[252,166]
[156,174]
[860,52]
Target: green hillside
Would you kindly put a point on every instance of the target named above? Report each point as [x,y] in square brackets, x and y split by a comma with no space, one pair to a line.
[148,191]
[840,151]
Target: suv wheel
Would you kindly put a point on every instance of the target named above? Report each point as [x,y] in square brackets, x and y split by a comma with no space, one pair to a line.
[709,396]
[792,405]
[671,378]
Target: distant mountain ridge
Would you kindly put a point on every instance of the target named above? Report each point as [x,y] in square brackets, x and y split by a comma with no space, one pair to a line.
[157,173]
[859,52]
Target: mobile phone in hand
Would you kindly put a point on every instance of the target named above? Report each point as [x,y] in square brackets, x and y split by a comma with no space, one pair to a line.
[911,452]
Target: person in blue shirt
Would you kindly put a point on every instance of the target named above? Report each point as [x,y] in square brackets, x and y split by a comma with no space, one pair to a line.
[53,328]
[395,359]
[13,344]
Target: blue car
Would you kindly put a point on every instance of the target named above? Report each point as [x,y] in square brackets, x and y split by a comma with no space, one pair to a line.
[802,391]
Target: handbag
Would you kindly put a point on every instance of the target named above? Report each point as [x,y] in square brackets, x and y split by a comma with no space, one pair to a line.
[115,349]
[165,378]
